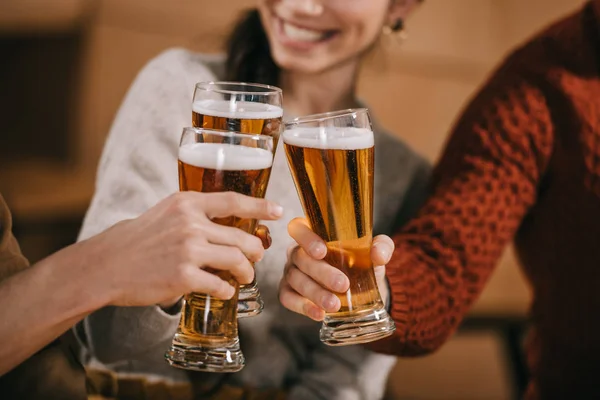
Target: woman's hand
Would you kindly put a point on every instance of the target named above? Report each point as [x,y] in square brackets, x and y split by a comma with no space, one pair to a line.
[309,284]
[162,254]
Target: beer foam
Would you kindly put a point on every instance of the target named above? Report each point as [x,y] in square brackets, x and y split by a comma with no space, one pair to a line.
[225,157]
[329,138]
[238,109]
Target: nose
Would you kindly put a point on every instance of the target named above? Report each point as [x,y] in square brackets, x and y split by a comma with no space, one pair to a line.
[309,7]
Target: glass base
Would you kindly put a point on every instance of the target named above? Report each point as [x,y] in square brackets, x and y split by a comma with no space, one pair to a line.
[355,328]
[206,358]
[250,302]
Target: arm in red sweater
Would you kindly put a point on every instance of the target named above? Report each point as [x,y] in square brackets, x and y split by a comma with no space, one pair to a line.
[484,185]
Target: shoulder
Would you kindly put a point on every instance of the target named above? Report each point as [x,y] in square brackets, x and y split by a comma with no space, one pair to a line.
[569,41]
[393,150]
[565,48]
[185,65]
[387,140]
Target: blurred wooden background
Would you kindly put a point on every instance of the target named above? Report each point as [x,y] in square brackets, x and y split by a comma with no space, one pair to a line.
[66,65]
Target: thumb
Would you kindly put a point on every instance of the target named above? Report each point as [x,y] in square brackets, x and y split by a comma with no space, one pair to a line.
[379,272]
[381,250]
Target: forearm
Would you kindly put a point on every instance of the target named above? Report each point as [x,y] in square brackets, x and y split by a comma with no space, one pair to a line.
[41,303]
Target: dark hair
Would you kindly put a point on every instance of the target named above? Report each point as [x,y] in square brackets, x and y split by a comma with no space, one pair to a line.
[248,52]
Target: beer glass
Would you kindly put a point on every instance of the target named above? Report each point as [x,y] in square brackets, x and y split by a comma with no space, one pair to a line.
[216,161]
[246,108]
[331,158]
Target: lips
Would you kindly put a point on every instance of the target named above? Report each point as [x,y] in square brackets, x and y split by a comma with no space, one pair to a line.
[302,37]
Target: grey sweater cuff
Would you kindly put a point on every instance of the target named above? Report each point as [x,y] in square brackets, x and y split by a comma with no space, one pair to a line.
[155,322]
[131,331]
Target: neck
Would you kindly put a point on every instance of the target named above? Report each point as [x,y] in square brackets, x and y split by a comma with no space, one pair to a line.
[318,93]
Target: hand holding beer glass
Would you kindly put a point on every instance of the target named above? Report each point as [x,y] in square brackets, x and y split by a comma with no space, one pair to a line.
[248,108]
[331,158]
[216,161]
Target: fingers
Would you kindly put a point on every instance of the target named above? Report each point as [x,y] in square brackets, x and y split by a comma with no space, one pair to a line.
[226,258]
[311,290]
[225,204]
[201,281]
[263,233]
[311,242]
[250,245]
[382,249]
[324,274]
[291,300]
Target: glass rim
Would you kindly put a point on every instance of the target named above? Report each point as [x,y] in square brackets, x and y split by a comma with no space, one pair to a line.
[228,134]
[325,116]
[269,90]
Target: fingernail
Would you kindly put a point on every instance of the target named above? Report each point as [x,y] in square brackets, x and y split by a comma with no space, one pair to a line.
[317,249]
[383,250]
[339,284]
[329,303]
[276,210]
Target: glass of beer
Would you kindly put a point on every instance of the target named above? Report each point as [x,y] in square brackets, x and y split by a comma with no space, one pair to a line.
[331,158]
[248,108]
[215,161]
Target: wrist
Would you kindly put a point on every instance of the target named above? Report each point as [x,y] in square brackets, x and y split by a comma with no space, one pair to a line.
[78,278]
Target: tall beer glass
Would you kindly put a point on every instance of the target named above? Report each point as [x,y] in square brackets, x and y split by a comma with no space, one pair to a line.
[246,108]
[213,161]
[331,158]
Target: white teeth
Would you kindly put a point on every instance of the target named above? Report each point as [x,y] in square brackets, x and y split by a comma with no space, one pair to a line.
[306,35]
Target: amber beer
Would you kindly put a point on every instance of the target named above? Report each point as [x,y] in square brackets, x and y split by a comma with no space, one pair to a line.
[239,116]
[248,108]
[207,336]
[243,170]
[335,185]
[332,167]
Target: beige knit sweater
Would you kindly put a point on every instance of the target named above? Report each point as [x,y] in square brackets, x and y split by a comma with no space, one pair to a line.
[139,167]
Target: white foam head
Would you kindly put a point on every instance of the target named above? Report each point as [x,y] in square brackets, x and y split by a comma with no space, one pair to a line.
[329,138]
[225,157]
[237,109]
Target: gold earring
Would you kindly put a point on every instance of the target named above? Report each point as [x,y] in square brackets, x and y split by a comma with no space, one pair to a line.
[396,29]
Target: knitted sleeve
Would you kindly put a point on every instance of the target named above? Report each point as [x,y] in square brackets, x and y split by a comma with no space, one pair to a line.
[483,186]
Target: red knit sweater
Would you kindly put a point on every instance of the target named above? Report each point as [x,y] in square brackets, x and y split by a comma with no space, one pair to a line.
[522,163]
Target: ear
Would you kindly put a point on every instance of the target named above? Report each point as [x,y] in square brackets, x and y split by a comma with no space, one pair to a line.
[401,9]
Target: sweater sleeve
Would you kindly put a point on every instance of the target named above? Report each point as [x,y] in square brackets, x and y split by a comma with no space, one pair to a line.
[483,186]
[138,168]
[11,259]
